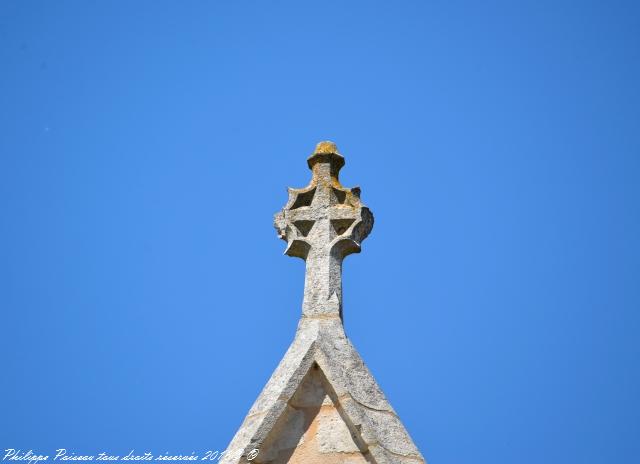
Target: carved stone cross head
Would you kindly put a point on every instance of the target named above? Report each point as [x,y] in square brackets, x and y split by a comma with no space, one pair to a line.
[322,223]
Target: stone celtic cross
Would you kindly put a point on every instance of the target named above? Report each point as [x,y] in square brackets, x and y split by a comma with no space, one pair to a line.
[322,224]
[321,404]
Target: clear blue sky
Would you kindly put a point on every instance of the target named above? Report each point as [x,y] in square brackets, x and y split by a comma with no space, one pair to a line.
[144,147]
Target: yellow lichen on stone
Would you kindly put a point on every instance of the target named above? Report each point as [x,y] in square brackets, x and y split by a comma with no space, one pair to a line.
[326,147]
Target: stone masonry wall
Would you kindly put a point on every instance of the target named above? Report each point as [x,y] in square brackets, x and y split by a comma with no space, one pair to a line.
[313,430]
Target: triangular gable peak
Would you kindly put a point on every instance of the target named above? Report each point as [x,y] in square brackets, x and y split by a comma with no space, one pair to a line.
[322,405]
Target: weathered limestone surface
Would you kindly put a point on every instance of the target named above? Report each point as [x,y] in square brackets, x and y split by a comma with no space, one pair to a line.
[322,404]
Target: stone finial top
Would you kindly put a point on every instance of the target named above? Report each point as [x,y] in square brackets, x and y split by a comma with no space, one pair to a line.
[326,147]
[327,151]
[322,405]
[322,223]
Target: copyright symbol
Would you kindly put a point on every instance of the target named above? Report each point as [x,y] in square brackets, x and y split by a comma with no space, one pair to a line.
[251,455]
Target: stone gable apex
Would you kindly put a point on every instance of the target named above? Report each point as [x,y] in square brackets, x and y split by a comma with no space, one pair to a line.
[323,345]
[322,405]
